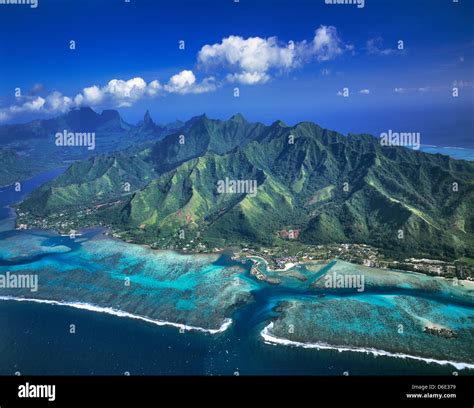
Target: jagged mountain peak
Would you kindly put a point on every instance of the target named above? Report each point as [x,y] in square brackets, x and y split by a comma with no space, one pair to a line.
[147,120]
[238,117]
[197,119]
[279,123]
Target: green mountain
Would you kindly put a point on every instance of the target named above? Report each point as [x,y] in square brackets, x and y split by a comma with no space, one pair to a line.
[35,142]
[201,135]
[15,167]
[77,120]
[328,187]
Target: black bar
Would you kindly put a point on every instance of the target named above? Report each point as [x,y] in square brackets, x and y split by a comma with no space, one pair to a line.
[316,391]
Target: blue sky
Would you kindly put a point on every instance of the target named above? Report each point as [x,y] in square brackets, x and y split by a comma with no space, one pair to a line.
[335,46]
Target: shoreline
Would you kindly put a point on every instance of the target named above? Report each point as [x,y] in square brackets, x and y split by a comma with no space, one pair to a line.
[289,266]
[271,339]
[104,233]
[266,334]
[120,313]
[237,252]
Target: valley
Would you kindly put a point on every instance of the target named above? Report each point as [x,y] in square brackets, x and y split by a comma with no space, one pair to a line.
[317,193]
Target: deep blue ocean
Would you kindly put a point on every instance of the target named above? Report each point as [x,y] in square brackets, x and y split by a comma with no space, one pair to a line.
[34,339]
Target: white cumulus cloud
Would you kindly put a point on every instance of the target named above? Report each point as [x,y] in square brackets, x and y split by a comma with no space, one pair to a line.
[250,58]
[249,78]
[185,82]
[235,59]
[327,45]
[57,102]
[118,92]
[92,95]
[53,103]
[253,60]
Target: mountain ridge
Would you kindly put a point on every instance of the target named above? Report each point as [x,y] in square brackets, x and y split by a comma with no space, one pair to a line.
[34,141]
[331,188]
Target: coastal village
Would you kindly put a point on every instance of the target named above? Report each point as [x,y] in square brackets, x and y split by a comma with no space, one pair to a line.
[278,258]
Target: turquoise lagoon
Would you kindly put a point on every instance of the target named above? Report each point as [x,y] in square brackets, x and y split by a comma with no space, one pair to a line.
[460,153]
[141,311]
[212,295]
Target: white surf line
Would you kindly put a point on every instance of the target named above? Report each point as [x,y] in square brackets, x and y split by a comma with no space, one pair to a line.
[274,340]
[115,312]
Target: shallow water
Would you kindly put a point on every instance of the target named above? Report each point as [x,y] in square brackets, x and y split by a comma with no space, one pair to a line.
[152,312]
[460,153]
